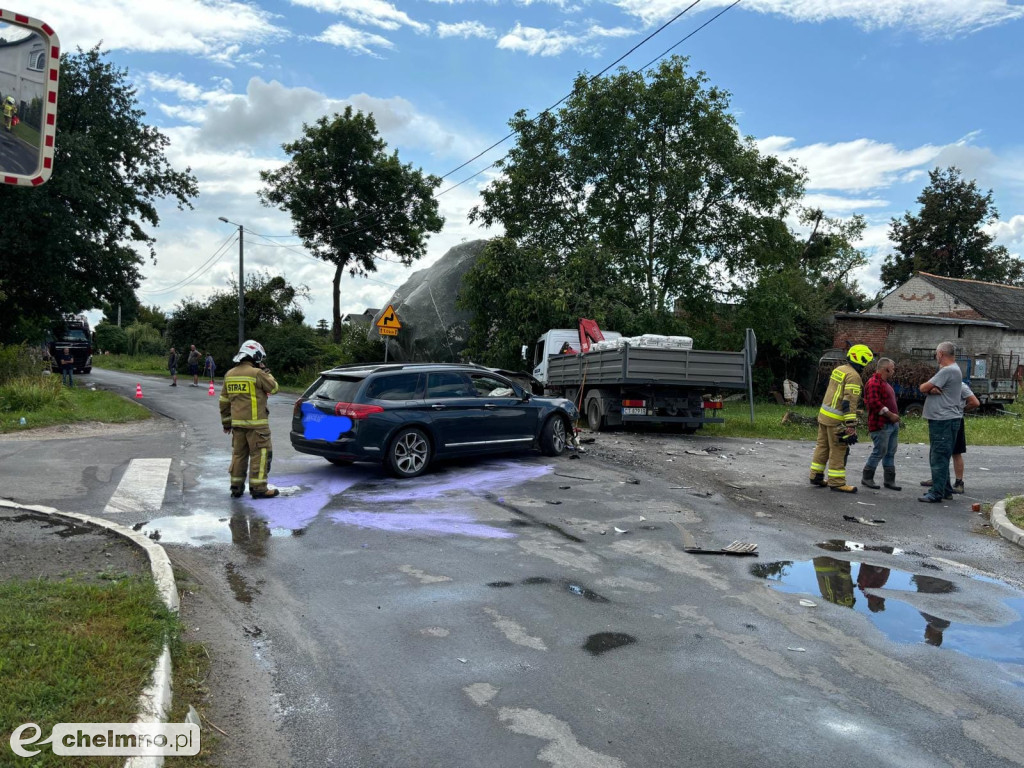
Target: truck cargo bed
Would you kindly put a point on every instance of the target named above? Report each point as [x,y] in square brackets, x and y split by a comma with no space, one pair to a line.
[650,365]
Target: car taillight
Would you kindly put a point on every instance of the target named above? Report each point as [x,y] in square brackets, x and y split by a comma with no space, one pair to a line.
[297,410]
[356,411]
[714,405]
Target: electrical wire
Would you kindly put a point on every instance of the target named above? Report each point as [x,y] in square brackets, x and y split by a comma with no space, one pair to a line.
[200,270]
[638,69]
[511,134]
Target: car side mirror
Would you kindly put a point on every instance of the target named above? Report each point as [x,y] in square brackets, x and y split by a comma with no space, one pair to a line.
[525,396]
[29,63]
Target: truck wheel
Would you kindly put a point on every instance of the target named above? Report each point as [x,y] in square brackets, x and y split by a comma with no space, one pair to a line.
[553,437]
[595,420]
[409,453]
[915,410]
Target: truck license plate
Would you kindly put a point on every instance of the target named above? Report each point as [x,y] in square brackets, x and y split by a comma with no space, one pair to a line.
[634,411]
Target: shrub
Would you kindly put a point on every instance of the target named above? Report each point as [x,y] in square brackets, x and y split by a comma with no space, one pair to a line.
[144,339]
[111,338]
[18,360]
[32,393]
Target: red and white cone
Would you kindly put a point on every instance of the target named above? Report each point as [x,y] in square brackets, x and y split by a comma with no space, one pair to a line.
[138,391]
[210,393]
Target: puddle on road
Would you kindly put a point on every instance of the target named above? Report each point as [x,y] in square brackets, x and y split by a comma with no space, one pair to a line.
[248,533]
[243,591]
[842,545]
[901,622]
[603,642]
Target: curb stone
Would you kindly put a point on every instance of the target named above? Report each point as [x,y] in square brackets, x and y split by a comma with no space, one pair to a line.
[1002,524]
[155,700]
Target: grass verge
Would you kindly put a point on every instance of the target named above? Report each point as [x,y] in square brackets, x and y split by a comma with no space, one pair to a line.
[1015,511]
[981,430]
[151,364]
[43,402]
[76,653]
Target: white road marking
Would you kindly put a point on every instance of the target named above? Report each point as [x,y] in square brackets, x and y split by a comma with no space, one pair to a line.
[142,487]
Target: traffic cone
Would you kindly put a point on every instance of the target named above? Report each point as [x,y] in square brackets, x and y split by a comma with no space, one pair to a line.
[138,391]
[210,393]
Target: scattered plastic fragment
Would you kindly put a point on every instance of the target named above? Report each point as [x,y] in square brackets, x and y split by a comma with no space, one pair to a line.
[797,650]
[619,530]
[808,603]
[464,661]
[865,504]
[984,469]
[863,520]
[553,502]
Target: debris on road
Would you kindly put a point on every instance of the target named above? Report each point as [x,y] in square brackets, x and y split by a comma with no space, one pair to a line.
[619,530]
[797,650]
[808,603]
[737,549]
[863,520]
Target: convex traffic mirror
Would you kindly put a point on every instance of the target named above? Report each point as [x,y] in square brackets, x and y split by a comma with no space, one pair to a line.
[29,63]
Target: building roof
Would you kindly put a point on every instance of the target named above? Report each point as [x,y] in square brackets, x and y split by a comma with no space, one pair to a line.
[923,319]
[1000,303]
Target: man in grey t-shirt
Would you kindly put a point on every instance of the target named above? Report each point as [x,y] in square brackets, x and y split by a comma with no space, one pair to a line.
[943,408]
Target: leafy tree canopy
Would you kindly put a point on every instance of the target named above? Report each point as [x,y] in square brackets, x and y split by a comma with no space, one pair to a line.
[947,236]
[350,200]
[649,172]
[76,240]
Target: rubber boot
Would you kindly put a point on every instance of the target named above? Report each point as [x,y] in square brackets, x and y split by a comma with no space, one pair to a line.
[868,478]
[889,479]
[844,488]
[818,479]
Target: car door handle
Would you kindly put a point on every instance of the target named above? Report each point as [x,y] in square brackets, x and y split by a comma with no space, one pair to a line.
[490,406]
[438,407]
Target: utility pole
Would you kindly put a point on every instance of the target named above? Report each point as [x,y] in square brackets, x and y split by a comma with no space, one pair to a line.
[241,279]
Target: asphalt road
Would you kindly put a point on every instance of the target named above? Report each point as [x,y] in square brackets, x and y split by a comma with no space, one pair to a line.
[490,613]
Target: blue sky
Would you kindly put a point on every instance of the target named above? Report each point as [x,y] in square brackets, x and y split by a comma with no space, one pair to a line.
[867,95]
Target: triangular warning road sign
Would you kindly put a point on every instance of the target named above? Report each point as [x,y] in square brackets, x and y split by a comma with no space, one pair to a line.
[389,319]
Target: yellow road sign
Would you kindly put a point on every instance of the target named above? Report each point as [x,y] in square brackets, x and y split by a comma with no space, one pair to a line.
[388,322]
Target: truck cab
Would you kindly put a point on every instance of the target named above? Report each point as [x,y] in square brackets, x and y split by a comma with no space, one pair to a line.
[551,343]
[72,333]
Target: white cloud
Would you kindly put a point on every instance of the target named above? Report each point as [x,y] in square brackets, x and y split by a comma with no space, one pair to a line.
[853,165]
[353,39]
[834,205]
[928,17]
[196,27]
[377,13]
[536,41]
[466,29]
[1010,232]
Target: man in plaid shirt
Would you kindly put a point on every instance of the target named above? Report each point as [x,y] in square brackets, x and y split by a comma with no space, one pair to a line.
[883,425]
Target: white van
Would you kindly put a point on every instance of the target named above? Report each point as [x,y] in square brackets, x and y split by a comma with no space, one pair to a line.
[550,344]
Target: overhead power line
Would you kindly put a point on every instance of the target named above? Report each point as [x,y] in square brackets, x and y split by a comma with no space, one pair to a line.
[199,271]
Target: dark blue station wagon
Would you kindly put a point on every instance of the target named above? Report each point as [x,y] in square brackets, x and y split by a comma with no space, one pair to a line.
[407,415]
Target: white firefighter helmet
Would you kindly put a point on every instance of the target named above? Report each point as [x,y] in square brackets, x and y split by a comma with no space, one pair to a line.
[251,349]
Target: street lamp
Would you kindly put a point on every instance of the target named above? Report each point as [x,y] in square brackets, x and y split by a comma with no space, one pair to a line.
[241,280]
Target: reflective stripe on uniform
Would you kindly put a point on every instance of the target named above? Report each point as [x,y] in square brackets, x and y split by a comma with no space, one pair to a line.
[815,467]
[241,386]
[841,473]
[262,474]
[250,423]
[274,390]
[832,413]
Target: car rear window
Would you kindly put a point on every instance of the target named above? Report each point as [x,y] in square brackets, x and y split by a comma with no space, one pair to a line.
[400,386]
[341,389]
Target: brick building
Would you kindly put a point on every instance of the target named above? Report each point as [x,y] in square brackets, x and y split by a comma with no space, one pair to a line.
[981,318]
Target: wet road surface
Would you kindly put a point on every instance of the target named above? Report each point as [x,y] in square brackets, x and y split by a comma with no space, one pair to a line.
[491,613]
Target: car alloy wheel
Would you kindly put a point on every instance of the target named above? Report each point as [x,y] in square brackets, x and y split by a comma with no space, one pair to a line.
[553,437]
[409,453]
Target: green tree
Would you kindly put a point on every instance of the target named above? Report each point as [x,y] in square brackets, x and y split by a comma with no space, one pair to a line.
[322,328]
[351,202]
[76,240]
[947,236]
[647,170]
[272,317]
[111,338]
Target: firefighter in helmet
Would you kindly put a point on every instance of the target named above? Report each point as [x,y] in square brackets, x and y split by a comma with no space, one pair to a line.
[837,421]
[10,110]
[243,413]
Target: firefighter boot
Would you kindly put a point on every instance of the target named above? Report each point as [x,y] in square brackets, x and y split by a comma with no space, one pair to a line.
[818,479]
[889,480]
[844,488]
[868,478]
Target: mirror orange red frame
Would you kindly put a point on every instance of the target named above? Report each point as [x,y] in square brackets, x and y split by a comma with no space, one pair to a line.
[48,122]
